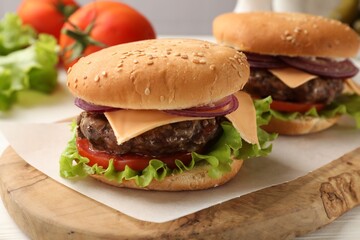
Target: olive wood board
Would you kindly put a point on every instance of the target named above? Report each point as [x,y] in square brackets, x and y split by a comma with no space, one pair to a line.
[46,209]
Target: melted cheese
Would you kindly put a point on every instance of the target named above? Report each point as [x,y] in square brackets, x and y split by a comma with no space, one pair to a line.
[128,124]
[292,77]
[244,118]
[352,86]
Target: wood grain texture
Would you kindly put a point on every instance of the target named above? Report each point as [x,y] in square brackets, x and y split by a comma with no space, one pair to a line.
[45,209]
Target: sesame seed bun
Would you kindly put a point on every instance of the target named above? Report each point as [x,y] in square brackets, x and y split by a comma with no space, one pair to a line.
[196,179]
[291,34]
[301,126]
[159,74]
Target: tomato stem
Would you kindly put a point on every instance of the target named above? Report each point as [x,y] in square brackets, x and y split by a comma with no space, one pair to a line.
[82,40]
[65,10]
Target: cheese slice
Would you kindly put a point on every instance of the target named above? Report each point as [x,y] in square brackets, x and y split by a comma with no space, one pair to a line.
[352,86]
[128,124]
[292,77]
[244,118]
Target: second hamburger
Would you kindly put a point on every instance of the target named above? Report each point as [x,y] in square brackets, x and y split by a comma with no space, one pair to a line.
[301,61]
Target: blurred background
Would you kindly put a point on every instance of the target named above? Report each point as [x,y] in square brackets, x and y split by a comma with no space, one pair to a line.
[169,17]
[174,17]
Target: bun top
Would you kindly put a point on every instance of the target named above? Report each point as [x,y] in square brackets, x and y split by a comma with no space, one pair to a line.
[159,74]
[292,34]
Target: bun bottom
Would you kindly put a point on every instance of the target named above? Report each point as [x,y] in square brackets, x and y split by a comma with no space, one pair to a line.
[300,126]
[196,179]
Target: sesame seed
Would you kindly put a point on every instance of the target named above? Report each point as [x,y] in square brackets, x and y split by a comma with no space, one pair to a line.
[119,65]
[147,91]
[76,80]
[69,70]
[76,85]
[136,61]
[118,69]
[150,63]
[168,52]
[195,60]
[184,56]
[212,67]
[177,54]
[114,53]
[202,61]
[85,77]
[169,49]
[97,78]
[289,38]
[104,73]
[199,54]
[68,84]
[88,62]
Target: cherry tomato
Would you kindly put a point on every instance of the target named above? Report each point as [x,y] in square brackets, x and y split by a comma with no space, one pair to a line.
[295,107]
[101,24]
[135,162]
[46,16]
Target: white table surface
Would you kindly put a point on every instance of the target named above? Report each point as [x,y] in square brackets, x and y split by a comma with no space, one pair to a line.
[60,106]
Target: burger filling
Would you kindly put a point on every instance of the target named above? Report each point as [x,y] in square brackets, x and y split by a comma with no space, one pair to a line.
[186,136]
[263,83]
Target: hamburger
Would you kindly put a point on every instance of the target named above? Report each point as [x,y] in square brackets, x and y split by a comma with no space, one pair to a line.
[301,61]
[162,114]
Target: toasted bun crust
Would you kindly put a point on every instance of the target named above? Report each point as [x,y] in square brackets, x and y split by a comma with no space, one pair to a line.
[159,74]
[291,34]
[301,126]
[196,179]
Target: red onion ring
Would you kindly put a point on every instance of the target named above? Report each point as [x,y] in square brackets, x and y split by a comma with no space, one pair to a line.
[220,108]
[89,107]
[219,104]
[214,111]
[323,66]
[264,61]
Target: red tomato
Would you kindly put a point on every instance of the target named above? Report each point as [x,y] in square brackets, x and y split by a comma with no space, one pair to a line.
[101,24]
[46,16]
[135,162]
[295,107]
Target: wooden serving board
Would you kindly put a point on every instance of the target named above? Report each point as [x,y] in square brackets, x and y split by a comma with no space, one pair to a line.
[45,209]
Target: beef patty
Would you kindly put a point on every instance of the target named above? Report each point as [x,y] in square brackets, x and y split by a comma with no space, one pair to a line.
[186,136]
[263,83]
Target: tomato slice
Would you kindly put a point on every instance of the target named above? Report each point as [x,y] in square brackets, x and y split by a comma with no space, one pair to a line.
[295,107]
[135,162]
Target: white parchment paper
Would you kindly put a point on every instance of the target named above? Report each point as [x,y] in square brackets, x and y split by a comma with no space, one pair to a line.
[41,145]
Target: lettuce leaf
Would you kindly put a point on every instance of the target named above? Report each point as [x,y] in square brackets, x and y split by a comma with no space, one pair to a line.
[230,145]
[348,104]
[31,68]
[14,35]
